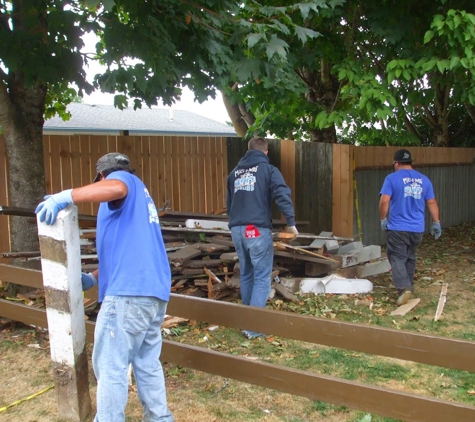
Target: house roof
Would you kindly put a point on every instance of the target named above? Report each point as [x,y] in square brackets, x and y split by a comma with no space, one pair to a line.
[102,119]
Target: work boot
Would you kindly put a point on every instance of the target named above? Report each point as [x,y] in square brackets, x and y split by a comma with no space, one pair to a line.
[404,297]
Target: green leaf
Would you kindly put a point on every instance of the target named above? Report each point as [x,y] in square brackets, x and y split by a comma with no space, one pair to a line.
[454,61]
[276,46]
[304,33]
[457,20]
[108,4]
[253,39]
[468,52]
[442,65]
[392,64]
[428,36]
[120,101]
[305,9]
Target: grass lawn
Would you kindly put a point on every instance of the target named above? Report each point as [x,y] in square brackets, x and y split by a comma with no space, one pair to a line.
[25,366]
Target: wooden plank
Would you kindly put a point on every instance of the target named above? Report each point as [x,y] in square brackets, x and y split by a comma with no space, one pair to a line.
[65,157]
[221,175]
[146,165]
[208,176]
[404,309]
[75,162]
[201,263]
[282,245]
[307,258]
[55,157]
[442,300]
[22,276]
[183,255]
[332,390]
[88,170]
[287,164]
[4,220]
[47,162]
[383,401]
[156,188]
[336,209]
[399,344]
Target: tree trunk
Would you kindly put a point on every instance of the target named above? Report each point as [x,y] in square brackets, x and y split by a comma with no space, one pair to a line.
[21,117]
[240,121]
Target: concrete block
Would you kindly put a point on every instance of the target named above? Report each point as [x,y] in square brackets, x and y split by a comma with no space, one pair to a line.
[332,246]
[366,254]
[373,268]
[350,247]
[320,243]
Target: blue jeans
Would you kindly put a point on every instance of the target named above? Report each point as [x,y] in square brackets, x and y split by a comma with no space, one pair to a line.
[256,256]
[128,331]
[401,249]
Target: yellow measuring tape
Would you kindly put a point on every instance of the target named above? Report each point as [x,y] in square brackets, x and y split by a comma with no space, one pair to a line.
[2,409]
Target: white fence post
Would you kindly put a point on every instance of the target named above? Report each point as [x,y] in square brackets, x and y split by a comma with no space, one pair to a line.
[61,267]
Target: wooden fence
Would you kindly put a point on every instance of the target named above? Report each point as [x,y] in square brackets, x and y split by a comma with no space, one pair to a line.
[191,173]
[362,172]
[402,405]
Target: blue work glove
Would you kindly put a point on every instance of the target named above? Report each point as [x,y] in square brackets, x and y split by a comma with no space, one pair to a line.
[436,230]
[49,208]
[384,224]
[88,281]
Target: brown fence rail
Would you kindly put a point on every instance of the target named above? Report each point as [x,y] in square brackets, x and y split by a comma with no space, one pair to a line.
[427,349]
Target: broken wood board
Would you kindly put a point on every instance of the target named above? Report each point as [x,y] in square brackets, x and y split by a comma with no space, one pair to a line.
[221,240]
[404,309]
[211,247]
[172,321]
[284,292]
[284,246]
[201,263]
[181,256]
[212,276]
[302,257]
[229,256]
[442,300]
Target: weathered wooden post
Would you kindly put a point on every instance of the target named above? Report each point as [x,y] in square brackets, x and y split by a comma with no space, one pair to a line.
[61,267]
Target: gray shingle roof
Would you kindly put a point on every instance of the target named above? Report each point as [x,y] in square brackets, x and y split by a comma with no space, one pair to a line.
[87,118]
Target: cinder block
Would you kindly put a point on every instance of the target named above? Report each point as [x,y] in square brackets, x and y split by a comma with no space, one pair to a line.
[366,254]
[331,246]
[320,243]
[373,268]
[350,248]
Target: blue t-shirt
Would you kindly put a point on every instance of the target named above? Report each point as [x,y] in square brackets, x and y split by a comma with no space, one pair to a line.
[409,190]
[132,256]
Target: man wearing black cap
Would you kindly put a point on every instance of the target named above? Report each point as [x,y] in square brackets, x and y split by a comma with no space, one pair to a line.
[134,287]
[404,195]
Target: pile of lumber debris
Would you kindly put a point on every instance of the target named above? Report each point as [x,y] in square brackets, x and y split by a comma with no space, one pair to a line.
[204,263]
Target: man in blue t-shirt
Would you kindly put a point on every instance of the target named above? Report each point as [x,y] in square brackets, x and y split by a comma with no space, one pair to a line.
[134,287]
[404,195]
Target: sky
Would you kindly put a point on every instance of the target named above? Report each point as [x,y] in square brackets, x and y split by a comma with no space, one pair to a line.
[212,109]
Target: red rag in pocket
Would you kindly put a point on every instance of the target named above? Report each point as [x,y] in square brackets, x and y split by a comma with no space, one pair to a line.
[251,232]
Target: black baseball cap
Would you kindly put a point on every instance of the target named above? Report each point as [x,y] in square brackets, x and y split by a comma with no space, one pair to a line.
[111,161]
[403,156]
